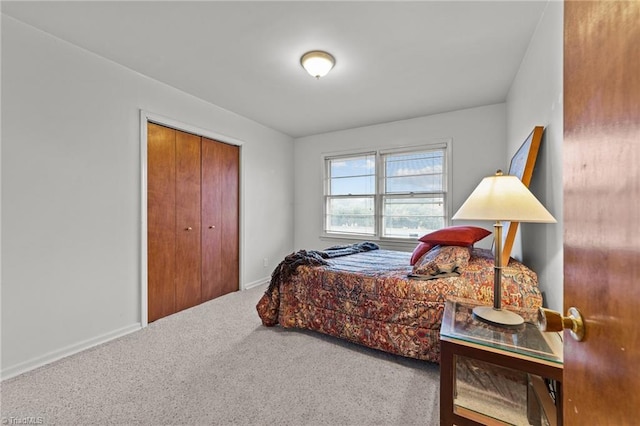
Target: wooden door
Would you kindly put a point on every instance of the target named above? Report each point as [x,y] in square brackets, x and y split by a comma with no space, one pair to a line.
[220,180]
[601,156]
[230,168]
[161,221]
[193,228]
[188,229]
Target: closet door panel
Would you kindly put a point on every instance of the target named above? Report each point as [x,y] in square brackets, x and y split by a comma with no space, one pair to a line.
[188,228]
[161,221]
[211,220]
[220,178]
[229,167]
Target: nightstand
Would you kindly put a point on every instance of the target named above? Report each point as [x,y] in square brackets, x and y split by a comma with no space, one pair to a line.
[494,375]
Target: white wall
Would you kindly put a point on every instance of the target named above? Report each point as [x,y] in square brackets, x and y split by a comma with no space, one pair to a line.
[535,98]
[71,193]
[479,149]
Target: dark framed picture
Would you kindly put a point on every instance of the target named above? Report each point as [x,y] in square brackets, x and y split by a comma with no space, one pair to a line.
[522,165]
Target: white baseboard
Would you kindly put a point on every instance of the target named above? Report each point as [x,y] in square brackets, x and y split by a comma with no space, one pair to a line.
[256,283]
[52,356]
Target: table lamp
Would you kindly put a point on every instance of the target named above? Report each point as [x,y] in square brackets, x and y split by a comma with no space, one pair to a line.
[501,197]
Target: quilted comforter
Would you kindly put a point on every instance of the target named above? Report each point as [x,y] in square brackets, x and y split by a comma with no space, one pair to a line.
[368,298]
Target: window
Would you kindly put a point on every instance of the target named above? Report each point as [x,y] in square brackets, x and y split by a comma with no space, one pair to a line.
[400,194]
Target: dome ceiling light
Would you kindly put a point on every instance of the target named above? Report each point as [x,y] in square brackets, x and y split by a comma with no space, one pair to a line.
[317,63]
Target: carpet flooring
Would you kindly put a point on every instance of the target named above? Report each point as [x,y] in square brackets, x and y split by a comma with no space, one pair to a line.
[215,364]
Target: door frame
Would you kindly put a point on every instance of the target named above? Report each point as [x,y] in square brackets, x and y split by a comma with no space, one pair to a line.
[146,117]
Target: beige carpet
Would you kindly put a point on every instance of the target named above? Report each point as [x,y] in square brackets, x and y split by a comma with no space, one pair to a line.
[215,364]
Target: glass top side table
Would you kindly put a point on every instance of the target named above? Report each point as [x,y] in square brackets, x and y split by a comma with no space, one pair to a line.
[510,359]
[527,340]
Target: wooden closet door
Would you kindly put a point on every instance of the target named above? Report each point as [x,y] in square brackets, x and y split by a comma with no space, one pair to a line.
[161,221]
[220,213]
[188,227]
[230,169]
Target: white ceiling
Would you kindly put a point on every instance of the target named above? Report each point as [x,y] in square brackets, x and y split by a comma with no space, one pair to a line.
[394,60]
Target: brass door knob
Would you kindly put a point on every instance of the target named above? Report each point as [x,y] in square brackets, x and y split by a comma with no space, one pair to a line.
[549,320]
[188,228]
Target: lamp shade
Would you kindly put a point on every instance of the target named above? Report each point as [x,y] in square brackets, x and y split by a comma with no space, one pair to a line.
[503,197]
[317,63]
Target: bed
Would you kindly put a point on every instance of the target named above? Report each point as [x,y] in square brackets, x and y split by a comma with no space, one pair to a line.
[375,297]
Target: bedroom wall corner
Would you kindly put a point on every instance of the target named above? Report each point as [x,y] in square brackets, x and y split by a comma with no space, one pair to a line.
[71,179]
[535,98]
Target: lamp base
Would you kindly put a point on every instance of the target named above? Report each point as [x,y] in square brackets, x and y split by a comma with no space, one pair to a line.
[500,317]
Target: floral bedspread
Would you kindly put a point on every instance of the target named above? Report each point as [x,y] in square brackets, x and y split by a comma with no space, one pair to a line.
[368,299]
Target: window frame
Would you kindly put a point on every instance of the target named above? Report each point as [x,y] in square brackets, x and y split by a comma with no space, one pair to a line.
[444,144]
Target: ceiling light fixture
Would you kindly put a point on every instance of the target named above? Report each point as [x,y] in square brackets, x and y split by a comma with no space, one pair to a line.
[317,63]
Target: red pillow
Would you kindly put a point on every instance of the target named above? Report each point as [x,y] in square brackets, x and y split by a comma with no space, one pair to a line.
[420,249]
[455,236]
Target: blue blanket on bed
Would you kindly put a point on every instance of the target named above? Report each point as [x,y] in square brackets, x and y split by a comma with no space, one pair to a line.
[290,264]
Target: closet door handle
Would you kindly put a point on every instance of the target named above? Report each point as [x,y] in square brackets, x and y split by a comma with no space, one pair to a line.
[212,227]
[188,228]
